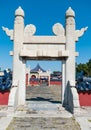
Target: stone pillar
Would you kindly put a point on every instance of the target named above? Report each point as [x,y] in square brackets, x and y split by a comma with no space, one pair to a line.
[19,68]
[72,96]
[70,46]
[28,74]
[49,80]
[63,81]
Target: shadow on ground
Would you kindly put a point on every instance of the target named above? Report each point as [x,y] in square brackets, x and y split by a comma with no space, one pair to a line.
[43,99]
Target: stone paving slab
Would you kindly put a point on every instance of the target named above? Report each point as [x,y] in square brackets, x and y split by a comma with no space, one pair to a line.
[43,123]
[4,122]
[44,93]
[42,105]
[83,116]
[60,113]
[43,111]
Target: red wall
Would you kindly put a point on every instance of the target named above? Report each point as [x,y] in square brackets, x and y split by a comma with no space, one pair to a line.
[51,83]
[55,83]
[85,98]
[34,83]
[4,96]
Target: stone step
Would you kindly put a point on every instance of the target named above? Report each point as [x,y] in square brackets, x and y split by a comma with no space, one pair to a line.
[37,106]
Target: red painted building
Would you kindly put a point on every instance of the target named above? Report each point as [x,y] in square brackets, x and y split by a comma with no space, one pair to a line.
[85,98]
[84,91]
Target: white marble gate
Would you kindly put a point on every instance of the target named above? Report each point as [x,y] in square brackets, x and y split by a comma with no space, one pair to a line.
[60,46]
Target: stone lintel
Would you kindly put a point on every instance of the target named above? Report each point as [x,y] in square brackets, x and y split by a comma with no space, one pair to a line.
[64,53]
[44,39]
[40,53]
[43,53]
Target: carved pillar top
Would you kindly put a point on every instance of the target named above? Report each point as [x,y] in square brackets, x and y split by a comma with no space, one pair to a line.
[19,12]
[70,12]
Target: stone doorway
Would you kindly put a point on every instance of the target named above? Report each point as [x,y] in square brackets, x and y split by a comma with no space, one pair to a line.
[44,96]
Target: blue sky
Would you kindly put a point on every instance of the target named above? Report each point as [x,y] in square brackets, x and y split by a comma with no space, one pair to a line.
[44,14]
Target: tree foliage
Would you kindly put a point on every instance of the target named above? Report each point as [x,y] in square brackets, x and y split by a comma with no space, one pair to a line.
[86,68]
[89,67]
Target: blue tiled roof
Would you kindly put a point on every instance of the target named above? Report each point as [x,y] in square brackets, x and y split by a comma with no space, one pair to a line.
[84,84]
[5,81]
[37,68]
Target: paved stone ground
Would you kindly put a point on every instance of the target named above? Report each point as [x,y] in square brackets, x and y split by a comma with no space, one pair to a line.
[44,93]
[43,97]
[83,116]
[43,111]
[41,123]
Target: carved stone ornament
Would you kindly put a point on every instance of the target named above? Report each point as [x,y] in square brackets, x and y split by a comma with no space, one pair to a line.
[79,33]
[70,12]
[8,32]
[58,29]
[29,30]
[19,12]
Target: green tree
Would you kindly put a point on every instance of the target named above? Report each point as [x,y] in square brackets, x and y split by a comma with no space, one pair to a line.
[89,67]
[82,67]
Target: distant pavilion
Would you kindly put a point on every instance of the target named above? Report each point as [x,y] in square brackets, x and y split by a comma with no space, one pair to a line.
[38,75]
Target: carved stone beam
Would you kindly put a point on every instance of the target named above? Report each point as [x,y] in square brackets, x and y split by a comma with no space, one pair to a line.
[8,32]
[79,33]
